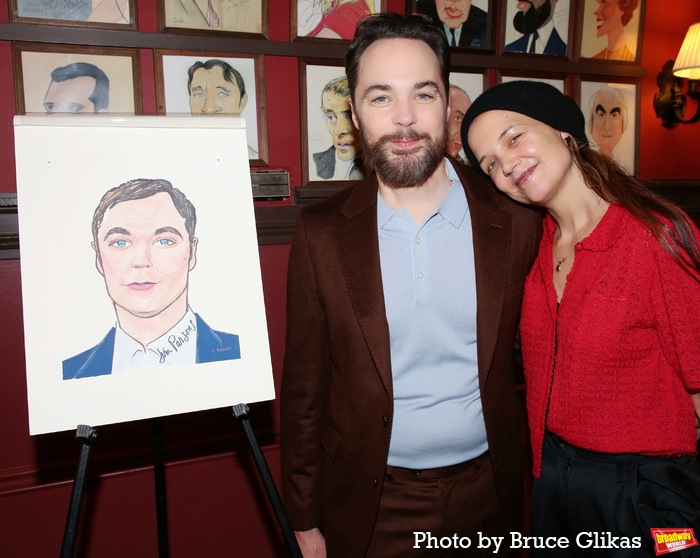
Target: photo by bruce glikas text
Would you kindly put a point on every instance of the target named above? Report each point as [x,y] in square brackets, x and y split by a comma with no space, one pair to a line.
[586,540]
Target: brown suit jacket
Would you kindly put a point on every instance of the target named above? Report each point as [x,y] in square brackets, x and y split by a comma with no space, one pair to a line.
[336,397]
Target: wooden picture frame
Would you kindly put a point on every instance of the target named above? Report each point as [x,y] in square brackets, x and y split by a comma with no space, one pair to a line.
[611,110]
[172,77]
[472,83]
[101,14]
[610,32]
[227,17]
[309,21]
[51,78]
[327,155]
[548,35]
[471,27]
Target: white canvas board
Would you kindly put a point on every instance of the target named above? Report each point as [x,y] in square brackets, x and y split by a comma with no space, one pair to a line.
[64,166]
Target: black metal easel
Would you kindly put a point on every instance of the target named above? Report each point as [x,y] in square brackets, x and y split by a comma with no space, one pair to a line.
[85,435]
[241,412]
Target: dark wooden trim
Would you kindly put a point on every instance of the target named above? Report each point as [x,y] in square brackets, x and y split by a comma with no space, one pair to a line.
[299,48]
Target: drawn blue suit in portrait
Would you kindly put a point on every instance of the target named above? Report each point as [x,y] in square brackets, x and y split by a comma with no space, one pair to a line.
[555,45]
[212,346]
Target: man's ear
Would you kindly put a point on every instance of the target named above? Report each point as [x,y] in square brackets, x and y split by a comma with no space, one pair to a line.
[98,260]
[193,253]
[244,102]
[355,120]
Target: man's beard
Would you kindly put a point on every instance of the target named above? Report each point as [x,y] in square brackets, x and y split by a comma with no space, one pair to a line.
[404,168]
[531,20]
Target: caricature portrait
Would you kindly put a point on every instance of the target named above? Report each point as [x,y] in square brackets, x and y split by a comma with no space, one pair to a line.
[215,15]
[606,119]
[341,161]
[94,11]
[459,103]
[610,120]
[610,30]
[215,87]
[212,86]
[541,26]
[143,236]
[75,80]
[332,19]
[77,87]
[465,24]
[464,88]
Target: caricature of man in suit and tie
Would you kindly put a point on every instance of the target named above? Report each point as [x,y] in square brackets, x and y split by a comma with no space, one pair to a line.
[143,237]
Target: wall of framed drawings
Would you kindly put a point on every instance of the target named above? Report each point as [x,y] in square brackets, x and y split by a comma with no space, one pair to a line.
[493,37]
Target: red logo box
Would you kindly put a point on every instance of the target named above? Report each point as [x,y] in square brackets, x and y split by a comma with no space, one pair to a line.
[671,540]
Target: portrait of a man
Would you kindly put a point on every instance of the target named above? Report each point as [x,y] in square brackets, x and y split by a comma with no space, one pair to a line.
[78,87]
[459,103]
[341,160]
[536,22]
[145,248]
[465,25]
[215,87]
[607,120]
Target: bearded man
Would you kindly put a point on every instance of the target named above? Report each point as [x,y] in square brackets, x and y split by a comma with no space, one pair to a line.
[400,415]
[534,20]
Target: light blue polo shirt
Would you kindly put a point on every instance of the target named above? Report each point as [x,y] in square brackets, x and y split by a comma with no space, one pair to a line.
[430,297]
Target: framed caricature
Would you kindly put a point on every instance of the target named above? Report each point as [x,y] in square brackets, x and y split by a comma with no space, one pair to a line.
[73,79]
[537,30]
[331,19]
[208,84]
[611,110]
[221,16]
[331,148]
[464,88]
[467,24]
[611,30]
[106,14]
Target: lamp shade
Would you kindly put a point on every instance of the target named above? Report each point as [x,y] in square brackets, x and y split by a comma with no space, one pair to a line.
[688,60]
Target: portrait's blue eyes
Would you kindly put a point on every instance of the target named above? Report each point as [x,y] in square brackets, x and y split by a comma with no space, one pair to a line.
[121,243]
[332,118]
[165,242]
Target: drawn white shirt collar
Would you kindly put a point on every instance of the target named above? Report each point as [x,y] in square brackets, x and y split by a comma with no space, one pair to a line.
[176,347]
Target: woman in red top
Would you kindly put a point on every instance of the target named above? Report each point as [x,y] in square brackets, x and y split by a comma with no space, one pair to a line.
[610,330]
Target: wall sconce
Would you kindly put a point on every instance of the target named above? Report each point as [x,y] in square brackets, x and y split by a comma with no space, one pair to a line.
[670,103]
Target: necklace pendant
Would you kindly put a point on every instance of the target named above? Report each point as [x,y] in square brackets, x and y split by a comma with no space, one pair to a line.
[558,268]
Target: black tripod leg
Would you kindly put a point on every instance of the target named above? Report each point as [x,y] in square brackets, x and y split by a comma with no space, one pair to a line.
[241,412]
[159,476]
[85,435]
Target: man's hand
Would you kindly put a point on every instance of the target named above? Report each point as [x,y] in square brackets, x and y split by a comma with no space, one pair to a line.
[311,543]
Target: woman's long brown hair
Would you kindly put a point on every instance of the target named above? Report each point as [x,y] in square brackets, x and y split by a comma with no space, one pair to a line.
[612,183]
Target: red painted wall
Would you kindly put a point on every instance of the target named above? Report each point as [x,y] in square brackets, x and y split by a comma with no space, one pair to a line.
[216,504]
[665,153]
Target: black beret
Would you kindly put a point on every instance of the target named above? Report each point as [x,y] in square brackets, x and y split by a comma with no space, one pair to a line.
[535,99]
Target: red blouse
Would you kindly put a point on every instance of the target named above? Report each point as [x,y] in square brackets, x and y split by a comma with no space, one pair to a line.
[609,370]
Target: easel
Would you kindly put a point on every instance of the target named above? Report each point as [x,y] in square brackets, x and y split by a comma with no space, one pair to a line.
[86,435]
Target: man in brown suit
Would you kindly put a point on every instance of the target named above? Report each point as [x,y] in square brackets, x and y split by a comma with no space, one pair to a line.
[401,423]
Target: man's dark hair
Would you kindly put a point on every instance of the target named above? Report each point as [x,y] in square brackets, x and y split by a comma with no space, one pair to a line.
[100,95]
[141,188]
[230,73]
[390,25]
